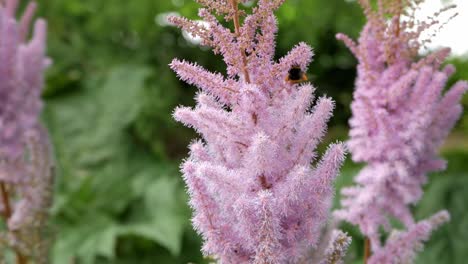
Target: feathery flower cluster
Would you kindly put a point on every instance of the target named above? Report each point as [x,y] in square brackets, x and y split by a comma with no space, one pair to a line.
[337,249]
[255,194]
[25,163]
[401,247]
[21,73]
[401,116]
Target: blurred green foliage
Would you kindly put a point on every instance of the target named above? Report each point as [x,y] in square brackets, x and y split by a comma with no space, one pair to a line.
[461,64]
[109,98]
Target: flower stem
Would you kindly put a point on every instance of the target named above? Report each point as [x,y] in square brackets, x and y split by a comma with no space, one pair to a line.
[367,246]
[20,259]
[237,31]
[400,10]
[6,201]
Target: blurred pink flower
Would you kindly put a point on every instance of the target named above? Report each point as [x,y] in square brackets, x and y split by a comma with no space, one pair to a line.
[21,77]
[25,159]
[400,117]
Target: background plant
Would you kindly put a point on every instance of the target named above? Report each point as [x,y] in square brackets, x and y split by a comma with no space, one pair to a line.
[401,117]
[26,168]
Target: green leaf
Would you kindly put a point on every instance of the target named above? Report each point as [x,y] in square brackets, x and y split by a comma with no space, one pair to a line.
[105,177]
[95,235]
[164,218]
[448,244]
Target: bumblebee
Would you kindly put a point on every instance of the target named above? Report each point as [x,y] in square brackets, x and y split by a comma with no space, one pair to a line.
[296,75]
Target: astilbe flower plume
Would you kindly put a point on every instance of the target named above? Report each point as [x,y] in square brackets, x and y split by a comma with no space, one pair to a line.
[400,117]
[25,160]
[256,196]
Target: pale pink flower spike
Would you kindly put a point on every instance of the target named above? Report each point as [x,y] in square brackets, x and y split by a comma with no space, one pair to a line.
[256,196]
[400,117]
